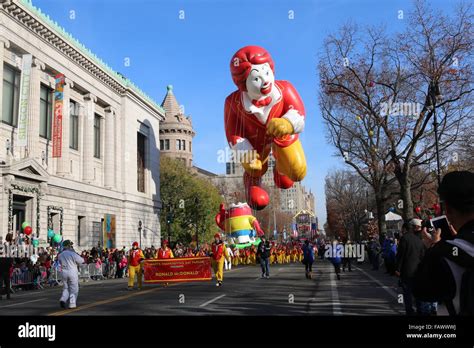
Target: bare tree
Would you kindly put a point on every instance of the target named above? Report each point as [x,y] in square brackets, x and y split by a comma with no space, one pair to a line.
[356,136]
[346,203]
[462,155]
[380,94]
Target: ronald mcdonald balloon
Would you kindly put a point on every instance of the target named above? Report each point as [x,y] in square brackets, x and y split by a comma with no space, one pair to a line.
[264,116]
[239,223]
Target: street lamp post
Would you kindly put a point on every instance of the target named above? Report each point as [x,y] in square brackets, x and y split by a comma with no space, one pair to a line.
[435,95]
[169,221]
[140,231]
[196,202]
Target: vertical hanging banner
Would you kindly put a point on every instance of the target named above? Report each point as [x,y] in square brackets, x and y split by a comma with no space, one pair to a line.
[22,135]
[58,115]
[109,231]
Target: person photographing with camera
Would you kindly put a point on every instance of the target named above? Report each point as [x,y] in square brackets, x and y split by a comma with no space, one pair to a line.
[446,273]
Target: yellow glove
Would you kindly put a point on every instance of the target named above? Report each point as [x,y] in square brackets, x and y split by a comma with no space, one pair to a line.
[279,127]
[254,164]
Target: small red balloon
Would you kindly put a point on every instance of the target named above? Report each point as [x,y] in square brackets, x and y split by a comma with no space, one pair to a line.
[258,198]
[28,230]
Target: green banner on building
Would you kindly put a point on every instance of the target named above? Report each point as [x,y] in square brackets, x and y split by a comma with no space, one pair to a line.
[22,136]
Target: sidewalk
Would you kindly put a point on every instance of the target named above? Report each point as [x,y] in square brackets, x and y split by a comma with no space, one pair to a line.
[391,282]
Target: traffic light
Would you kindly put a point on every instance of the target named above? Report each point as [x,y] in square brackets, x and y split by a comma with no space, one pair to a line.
[169,218]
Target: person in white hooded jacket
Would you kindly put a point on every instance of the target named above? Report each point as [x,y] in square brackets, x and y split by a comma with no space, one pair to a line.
[228,262]
[69,260]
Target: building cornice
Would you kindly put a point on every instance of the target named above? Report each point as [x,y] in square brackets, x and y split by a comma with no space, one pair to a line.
[23,12]
[39,64]
[90,96]
[4,41]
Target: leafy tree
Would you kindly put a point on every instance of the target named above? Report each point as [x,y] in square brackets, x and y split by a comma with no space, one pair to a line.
[189,203]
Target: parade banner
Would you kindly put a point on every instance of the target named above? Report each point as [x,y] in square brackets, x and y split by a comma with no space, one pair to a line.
[183,269]
[58,116]
[22,136]
[109,231]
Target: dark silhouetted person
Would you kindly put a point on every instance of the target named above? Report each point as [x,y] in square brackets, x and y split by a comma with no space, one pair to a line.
[5,265]
[409,255]
[446,274]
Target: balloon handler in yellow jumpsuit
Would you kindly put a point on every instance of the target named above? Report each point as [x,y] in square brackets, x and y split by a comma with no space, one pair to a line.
[219,253]
[135,258]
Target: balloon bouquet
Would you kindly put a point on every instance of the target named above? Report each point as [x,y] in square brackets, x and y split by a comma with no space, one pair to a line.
[261,117]
[56,238]
[28,230]
[52,236]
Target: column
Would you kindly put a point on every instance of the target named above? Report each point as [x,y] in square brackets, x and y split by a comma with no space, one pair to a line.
[4,43]
[81,112]
[88,138]
[109,148]
[63,167]
[34,110]
[119,155]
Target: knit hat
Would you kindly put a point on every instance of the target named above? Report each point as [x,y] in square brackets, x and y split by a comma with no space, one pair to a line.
[416,222]
[457,190]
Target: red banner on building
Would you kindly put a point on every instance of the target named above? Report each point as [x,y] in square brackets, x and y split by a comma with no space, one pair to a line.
[58,116]
[183,269]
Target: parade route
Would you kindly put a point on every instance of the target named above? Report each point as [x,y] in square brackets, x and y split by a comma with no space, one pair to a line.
[287,292]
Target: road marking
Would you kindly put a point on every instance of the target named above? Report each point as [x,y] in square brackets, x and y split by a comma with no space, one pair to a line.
[123,297]
[210,301]
[235,269]
[110,300]
[17,304]
[336,305]
[386,288]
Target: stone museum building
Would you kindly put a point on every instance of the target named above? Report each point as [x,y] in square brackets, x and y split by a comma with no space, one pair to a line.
[79,143]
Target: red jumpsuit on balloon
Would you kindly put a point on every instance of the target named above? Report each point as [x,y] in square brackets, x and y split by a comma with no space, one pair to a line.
[241,124]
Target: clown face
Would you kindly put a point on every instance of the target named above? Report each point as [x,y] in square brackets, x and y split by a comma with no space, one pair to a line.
[260,81]
[241,205]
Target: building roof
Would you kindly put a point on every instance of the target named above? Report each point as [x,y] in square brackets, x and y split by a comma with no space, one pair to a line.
[173,112]
[170,104]
[63,34]
[205,172]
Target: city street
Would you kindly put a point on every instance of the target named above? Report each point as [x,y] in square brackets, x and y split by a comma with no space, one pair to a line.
[287,292]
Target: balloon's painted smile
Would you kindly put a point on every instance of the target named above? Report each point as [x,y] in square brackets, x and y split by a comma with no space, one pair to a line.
[266,88]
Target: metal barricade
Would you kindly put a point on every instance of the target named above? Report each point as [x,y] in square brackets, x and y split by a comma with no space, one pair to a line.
[41,277]
[84,272]
[112,270]
[21,279]
[95,271]
[105,270]
[55,277]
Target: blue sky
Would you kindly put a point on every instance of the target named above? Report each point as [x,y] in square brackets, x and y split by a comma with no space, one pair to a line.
[193,55]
